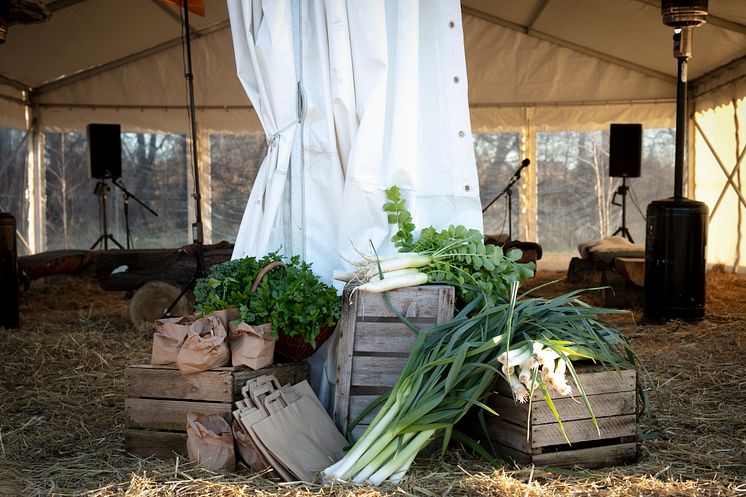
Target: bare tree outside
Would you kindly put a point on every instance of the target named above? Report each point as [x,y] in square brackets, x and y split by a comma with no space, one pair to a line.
[235,161]
[497,159]
[575,191]
[13,153]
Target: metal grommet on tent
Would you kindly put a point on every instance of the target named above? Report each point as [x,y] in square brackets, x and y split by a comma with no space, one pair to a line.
[456,79]
[451,24]
[467,188]
[461,134]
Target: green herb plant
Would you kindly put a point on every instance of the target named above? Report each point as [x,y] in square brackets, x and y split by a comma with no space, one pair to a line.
[294,300]
[228,284]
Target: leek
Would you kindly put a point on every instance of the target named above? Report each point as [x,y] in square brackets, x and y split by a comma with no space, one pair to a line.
[453,366]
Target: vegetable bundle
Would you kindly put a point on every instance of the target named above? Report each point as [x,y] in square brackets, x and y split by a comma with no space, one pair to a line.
[455,256]
[453,366]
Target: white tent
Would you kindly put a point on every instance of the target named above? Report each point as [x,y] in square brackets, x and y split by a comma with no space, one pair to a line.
[535,69]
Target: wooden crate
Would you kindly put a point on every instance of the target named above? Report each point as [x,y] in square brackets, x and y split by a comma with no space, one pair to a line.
[613,398]
[157,399]
[374,343]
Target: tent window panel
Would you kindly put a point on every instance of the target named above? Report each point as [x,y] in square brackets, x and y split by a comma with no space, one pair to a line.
[72,206]
[575,191]
[497,160]
[154,169]
[235,161]
[13,155]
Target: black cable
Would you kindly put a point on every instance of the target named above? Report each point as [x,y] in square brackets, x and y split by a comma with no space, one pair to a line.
[635,202]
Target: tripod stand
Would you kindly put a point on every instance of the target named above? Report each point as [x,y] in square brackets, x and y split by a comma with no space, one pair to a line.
[102,190]
[622,190]
[126,196]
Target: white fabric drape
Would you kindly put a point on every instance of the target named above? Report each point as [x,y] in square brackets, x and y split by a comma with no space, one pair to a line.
[265,62]
[384,102]
[384,98]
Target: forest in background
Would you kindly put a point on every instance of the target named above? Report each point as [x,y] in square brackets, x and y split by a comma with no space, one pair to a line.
[574,191]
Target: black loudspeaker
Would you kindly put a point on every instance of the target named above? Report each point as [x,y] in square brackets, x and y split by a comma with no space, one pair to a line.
[105,150]
[625,150]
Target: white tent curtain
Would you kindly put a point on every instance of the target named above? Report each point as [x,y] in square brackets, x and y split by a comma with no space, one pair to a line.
[384,102]
[263,42]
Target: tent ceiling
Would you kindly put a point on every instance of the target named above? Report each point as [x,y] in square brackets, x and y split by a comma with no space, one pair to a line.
[88,37]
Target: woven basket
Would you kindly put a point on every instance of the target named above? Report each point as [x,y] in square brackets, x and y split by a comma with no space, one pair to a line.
[296,349]
[287,347]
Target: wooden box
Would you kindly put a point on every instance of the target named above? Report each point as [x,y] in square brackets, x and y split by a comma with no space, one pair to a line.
[374,343]
[157,399]
[613,398]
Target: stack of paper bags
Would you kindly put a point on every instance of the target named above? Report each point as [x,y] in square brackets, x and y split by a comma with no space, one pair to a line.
[286,428]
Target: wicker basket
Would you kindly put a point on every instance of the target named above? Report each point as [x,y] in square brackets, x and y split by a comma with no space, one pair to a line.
[292,348]
[296,349]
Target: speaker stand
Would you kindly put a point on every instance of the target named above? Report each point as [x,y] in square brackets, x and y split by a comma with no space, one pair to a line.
[622,190]
[102,190]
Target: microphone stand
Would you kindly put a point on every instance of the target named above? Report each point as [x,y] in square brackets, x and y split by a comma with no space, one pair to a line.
[126,195]
[508,190]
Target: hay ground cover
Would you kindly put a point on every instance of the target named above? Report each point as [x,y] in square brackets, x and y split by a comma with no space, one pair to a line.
[61,411]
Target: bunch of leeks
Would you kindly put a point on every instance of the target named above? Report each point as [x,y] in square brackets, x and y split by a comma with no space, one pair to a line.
[453,367]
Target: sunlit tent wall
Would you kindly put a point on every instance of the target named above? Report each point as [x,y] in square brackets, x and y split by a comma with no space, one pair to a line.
[546,78]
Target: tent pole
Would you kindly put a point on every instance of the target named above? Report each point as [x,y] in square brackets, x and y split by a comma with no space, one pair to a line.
[197,229]
[197,234]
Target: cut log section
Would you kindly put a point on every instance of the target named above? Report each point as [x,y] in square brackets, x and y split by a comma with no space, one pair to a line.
[152,299]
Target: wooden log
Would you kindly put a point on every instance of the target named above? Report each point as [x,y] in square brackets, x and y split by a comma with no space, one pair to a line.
[32,267]
[633,268]
[126,270]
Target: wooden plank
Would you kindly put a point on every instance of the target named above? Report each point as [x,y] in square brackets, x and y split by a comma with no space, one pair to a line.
[159,414]
[413,302]
[446,299]
[358,403]
[594,382]
[218,384]
[383,337]
[163,445]
[344,359]
[592,457]
[583,430]
[569,409]
[378,371]
[505,433]
[168,383]
[506,453]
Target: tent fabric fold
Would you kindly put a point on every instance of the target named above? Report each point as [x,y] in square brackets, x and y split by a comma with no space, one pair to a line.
[384,102]
[379,91]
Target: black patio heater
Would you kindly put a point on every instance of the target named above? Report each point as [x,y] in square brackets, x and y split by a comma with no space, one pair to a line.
[676,231]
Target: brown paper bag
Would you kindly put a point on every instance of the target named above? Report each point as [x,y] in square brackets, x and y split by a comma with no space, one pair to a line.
[226,316]
[302,436]
[210,442]
[205,346]
[168,338]
[251,346]
[249,452]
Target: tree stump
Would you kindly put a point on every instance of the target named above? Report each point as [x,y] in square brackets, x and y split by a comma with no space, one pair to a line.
[152,299]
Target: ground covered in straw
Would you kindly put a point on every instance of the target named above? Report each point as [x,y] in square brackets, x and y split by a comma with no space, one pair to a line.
[61,412]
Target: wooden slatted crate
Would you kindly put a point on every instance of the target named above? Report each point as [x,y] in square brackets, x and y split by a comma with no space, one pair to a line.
[374,343]
[157,399]
[613,398]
